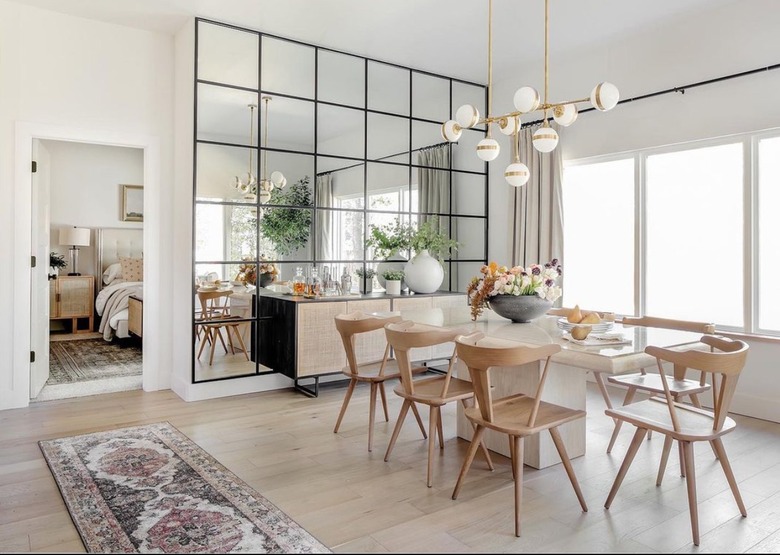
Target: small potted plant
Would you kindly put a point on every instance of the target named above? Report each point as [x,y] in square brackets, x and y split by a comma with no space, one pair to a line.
[56,263]
[366,281]
[393,281]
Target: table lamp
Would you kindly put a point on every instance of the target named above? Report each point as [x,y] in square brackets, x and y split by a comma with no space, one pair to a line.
[75,237]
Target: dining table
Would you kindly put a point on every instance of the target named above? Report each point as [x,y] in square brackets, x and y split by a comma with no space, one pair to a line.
[567,376]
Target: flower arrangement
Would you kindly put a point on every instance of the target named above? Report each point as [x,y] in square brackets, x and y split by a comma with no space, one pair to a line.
[500,280]
[367,273]
[393,275]
[248,271]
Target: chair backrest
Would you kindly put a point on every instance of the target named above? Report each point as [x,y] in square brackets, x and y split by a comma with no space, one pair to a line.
[728,361]
[406,335]
[210,306]
[481,353]
[354,323]
[668,323]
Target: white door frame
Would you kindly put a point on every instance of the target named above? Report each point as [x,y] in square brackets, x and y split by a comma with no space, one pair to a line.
[19,393]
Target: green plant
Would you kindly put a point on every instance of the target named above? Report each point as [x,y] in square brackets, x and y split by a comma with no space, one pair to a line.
[57,260]
[389,239]
[429,236]
[365,273]
[393,275]
[288,228]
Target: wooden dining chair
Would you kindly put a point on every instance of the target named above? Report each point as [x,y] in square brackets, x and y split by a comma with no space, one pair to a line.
[434,392]
[651,383]
[685,423]
[374,372]
[215,315]
[518,415]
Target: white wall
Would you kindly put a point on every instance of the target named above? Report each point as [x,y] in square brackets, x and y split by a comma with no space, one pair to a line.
[732,38]
[86,190]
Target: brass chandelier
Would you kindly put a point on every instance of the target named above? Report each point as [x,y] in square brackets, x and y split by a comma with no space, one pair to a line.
[603,97]
[248,184]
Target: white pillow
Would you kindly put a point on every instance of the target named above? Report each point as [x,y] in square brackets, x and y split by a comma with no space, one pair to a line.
[114,271]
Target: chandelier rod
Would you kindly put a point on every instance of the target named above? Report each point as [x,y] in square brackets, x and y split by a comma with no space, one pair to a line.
[490,61]
[546,51]
[251,138]
[266,99]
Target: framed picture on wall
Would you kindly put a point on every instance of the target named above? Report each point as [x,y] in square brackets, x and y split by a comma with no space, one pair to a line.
[132,203]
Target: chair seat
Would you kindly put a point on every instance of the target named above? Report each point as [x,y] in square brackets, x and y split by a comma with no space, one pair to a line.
[653,414]
[510,415]
[652,382]
[428,391]
[369,371]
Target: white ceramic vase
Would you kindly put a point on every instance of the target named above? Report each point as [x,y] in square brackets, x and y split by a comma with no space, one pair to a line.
[423,273]
[393,286]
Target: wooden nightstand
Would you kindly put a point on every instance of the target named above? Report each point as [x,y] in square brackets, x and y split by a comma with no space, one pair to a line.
[135,315]
[73,298]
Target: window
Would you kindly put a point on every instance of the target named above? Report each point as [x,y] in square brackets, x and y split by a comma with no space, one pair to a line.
[598,236]
[689,243]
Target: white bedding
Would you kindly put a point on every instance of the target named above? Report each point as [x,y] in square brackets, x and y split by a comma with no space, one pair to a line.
[111,305]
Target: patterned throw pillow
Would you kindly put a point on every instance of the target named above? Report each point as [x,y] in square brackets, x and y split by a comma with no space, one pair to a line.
[132,268]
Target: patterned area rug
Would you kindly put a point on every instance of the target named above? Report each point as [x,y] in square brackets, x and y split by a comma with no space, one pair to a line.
[150,489]
[91,359]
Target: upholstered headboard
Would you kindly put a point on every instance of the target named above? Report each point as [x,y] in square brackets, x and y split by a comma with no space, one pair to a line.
[113,243]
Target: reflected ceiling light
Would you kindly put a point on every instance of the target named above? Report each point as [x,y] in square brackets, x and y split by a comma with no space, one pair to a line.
[248,184]
[603,97]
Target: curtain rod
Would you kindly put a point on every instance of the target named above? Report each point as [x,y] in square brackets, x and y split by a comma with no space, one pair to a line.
[680,89]
[388,156]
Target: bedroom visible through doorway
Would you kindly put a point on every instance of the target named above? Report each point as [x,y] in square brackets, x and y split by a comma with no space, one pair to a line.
[87,314]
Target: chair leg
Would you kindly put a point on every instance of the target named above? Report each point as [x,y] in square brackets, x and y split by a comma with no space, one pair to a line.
[215,331]
[237,333]
[664,459]
[475,441]
[384,400]
[485,450]
[347,397]
[419,420]
[561,447]
[440,429]
[717,445]
[512,454]
[690,479]
[618,423]
[433,415]
[207,335]
[639,436]
[230,340]
[218,331]
[517,472]
[399,423]
[371,417]
[682,458]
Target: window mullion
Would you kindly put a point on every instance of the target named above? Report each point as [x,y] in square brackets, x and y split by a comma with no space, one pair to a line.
[640,234]
[750,226]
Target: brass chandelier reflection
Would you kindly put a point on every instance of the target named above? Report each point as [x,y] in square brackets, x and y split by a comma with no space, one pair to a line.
[603,97]
[248,183]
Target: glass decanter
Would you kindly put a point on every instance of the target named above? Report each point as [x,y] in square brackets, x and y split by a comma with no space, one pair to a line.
[315,285]
[299,282]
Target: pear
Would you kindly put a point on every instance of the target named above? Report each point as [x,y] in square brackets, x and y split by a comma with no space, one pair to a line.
[580,332]
[592,318]
[575,315]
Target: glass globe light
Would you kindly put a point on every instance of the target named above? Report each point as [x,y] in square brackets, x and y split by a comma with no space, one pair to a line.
[517,174]
[276,178]
[467,116]
[265,196]
[283,184]
[527,99]
[545,139]
[604,96]
[451,131]
[565,115]
[488,149]
[509,125]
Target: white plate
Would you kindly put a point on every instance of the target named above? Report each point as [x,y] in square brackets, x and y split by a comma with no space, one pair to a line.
[564,324]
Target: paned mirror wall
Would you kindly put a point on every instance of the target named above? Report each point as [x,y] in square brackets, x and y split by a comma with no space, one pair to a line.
[358,141]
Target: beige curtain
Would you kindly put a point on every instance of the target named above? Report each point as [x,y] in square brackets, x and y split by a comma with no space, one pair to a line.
[325,232]
[537,235]
[434,194]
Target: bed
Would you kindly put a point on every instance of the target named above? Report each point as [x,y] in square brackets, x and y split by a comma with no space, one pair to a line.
[114,289]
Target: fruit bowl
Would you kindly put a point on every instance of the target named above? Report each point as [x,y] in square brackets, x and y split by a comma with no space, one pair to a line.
[602,326]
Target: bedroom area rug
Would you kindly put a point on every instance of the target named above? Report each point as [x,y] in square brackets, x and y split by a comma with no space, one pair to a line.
[150,489]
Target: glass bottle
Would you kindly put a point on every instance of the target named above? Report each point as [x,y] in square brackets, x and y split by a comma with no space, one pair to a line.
[298,282]
[315,285]
[346,282]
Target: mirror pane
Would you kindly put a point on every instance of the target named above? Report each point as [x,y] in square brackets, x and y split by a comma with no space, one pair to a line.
[468,194]
[432,190]
[340,131]
[340,183]
[388,88]
[424,135]
[224,232]
[430,97]
[285,233]
[468,94]
[339,234]
[217,169]
[470,234]
[385,222]
[219,350]
[388,188]
[388,138]
[288,68]
[464,152]
[341,79]
[297,169]
[228,55]
[224,115]
[290,124]
[463,272]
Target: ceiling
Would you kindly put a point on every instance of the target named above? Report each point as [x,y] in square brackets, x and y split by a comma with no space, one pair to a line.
[443,36]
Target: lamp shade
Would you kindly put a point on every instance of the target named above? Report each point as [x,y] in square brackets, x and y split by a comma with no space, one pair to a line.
[75,236]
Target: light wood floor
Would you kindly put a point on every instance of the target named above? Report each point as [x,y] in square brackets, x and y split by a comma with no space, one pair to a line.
[282,444]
